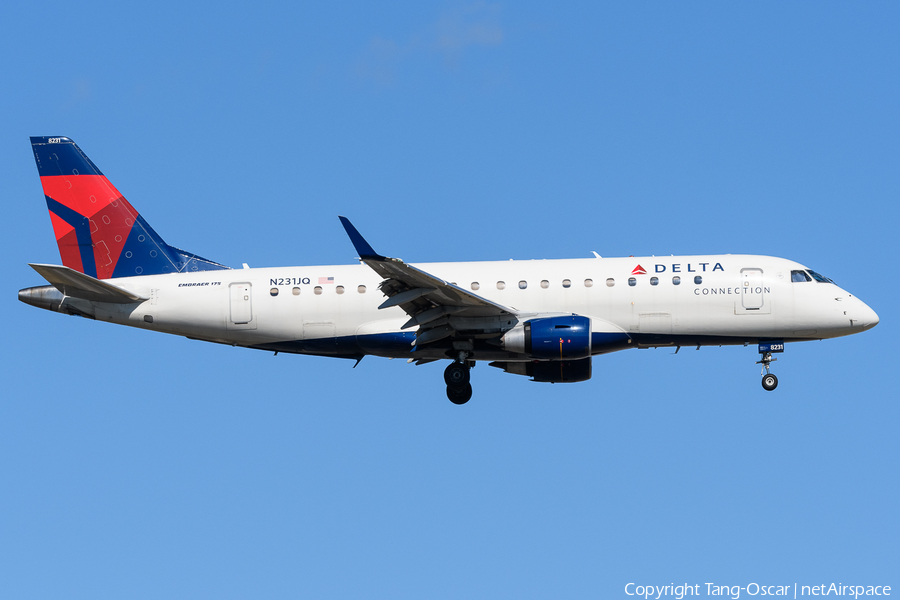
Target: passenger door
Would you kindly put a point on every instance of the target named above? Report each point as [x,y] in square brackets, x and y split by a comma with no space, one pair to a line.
[753,293]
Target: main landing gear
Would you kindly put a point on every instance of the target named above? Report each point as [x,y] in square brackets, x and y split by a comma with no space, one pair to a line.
[456,376]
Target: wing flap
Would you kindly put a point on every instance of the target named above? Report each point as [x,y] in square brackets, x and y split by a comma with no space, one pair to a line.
[431,315]
[404,297]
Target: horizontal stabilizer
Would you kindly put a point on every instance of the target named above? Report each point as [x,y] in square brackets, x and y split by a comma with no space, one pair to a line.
[78,285]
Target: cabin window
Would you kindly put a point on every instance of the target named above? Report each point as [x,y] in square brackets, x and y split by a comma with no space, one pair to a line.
[545,284]
[799,277]
[654,281]
[339,289]
[501,285]
[588,283]
[317,290]
[476,286]
[698,280]
[632,281]
[523,285]
[361,289]
[273,291]
[610,282]
[567,283]
[676,280]
[296,291]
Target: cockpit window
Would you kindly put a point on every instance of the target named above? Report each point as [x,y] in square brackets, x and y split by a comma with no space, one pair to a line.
[819,278]
[799,277]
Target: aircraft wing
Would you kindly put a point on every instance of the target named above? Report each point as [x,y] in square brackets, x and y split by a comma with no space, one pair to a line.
[430,301]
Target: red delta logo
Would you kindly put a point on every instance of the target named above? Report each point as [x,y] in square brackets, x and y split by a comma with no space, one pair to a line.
[639,270]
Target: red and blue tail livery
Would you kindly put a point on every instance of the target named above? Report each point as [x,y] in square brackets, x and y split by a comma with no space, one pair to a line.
[99,233]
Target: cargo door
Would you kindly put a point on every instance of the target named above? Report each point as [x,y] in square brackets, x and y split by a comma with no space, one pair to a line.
[319,330]
[655,329]
[319,337]
[656,322]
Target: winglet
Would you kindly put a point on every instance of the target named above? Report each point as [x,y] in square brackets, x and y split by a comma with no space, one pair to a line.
[363,248]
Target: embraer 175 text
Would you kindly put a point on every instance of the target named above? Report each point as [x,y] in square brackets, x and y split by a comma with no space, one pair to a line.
[543,319]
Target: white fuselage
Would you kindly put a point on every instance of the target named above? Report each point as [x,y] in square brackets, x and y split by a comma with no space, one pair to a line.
[333,310]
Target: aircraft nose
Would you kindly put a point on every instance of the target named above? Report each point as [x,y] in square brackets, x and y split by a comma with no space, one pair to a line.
[867,317]
[870,318]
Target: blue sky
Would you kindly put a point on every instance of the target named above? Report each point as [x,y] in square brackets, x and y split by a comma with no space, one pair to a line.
[143,466]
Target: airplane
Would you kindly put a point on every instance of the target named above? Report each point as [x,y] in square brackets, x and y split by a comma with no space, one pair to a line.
[544,319]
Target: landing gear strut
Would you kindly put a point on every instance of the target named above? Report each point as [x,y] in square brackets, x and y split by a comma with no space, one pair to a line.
[769,381]
[456,376]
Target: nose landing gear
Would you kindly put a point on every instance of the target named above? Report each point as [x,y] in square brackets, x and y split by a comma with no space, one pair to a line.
[456,376]
[769,381]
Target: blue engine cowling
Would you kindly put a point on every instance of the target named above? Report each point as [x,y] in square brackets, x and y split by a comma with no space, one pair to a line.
[551,338]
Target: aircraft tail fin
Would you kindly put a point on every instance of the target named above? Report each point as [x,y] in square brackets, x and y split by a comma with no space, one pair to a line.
[99,233]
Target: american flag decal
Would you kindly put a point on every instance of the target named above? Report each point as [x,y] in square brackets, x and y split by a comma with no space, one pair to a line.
[326,279]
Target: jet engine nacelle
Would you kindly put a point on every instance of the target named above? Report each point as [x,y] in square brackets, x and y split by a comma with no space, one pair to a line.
[551,338]
[550,371]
